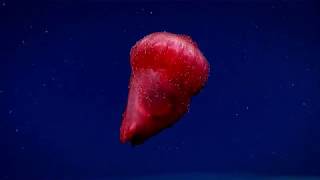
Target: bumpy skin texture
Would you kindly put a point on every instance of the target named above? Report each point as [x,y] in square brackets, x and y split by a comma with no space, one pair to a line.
[167,70]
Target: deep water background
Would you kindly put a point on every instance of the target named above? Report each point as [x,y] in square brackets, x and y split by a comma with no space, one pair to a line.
[64,76]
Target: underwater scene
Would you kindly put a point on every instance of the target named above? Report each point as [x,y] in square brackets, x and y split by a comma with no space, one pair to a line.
[160,90]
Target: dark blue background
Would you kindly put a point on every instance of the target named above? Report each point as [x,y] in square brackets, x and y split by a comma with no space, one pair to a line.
[64,77]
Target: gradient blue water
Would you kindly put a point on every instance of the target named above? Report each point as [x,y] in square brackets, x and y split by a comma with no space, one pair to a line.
[64,73]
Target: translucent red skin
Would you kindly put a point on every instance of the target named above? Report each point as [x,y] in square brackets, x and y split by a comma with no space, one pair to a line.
[167,70]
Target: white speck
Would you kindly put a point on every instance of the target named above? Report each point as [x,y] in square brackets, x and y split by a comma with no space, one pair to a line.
[256,26]
[10,111]
[46,31]
[53,78]
[22,42]
[247,107]
[17,130]
[142,9]
[30,27]
[273,153]
[236,114]
[22,147]
[304,104]
[293,84]
[4,4]
[1,91]
[44,85]
[151,12]
[65,60]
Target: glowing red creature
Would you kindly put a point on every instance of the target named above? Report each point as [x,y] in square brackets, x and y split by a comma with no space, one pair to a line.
[167,70]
